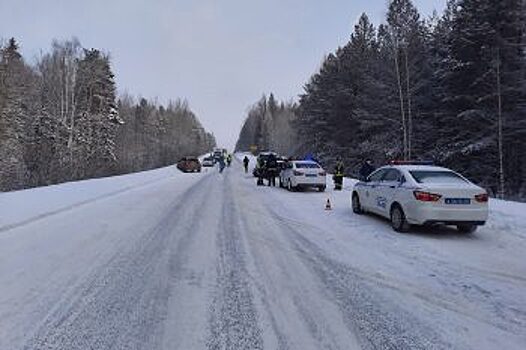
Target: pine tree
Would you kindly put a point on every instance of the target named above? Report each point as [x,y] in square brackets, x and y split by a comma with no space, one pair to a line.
[96,114]
[13,118]
[410,59]
[485,87]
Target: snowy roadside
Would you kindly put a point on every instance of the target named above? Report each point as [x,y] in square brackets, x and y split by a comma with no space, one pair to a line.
[471,288]
[20,207]
[504,215]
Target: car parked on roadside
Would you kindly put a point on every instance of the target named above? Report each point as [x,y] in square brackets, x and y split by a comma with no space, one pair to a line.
[301,174]
[189,165]
[412,193]
[262,159]
[208,162]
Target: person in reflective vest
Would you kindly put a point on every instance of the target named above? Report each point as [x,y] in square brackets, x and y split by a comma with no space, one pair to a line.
[338,175]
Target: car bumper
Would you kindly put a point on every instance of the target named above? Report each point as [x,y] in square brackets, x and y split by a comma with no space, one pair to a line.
[314,182]
[421,215]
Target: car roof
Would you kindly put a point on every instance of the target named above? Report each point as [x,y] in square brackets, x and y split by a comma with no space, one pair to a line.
[304,161]
[416,167]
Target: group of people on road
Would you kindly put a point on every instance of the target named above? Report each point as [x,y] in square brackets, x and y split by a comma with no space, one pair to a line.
[224,161]
[269,169]
[366,169]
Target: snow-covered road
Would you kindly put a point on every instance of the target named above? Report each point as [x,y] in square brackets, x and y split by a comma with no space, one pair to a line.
[164,260]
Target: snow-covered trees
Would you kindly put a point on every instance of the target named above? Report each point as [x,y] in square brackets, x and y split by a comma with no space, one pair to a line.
[154,135]
[270,125]
[15,109]
[449,88]
[60,121]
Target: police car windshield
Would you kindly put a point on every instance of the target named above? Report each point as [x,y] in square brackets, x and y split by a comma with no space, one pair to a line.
[307,166]
[431,177]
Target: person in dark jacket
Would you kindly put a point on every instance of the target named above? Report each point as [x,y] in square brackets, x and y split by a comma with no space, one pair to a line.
[271,170]
[246,161]
[366,169]
[221,163]
[260,165]
[338,175]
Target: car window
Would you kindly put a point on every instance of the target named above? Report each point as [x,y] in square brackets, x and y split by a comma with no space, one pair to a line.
[391,175]
[307,166]
[376,176]
[436,176]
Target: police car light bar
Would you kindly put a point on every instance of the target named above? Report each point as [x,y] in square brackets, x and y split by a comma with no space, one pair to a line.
[411,162]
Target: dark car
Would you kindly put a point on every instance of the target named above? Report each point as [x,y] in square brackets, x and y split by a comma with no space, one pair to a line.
[262,159]
[189,165]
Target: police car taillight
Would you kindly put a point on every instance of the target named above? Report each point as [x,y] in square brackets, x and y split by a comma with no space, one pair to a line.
[426,196]
[482,198]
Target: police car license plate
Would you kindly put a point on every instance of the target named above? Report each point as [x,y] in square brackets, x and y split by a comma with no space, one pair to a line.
[458,201]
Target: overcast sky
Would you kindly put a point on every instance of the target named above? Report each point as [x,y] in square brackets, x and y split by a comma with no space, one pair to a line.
[219,55]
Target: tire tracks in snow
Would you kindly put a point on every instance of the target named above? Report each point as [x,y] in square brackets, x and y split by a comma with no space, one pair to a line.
[375,320]
[233,318]
[123,305]
[504,316]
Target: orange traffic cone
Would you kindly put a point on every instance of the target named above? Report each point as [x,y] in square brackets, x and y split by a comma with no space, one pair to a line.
[328,205]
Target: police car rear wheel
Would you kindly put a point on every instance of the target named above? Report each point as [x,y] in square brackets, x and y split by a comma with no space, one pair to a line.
[398,220]
[466,228]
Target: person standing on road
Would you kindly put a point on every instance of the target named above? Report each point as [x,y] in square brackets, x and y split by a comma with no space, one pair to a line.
[229,159]
[271,170]
[366,170]
[245,163]
[221,163]
[260,167]
[338,175]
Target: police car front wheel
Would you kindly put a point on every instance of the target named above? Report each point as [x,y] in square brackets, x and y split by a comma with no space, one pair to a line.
[356,206]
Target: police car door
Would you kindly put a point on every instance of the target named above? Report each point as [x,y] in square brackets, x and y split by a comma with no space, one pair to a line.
[370,190]
[386,191]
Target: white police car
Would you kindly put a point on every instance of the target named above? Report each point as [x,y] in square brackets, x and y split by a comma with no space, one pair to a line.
[412,193]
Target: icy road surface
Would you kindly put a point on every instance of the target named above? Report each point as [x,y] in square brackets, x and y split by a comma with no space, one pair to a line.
[164,260]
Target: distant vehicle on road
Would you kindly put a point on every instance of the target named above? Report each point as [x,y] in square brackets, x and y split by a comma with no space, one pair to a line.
[217,154]
[299,174]
[189,165]
[410,193]
[208,162]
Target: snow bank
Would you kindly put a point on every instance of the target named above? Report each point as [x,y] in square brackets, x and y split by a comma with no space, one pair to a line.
[24,206]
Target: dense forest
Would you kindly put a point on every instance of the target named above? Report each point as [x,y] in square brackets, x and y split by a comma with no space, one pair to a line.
[270,126]
[450,88]
[61,120]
